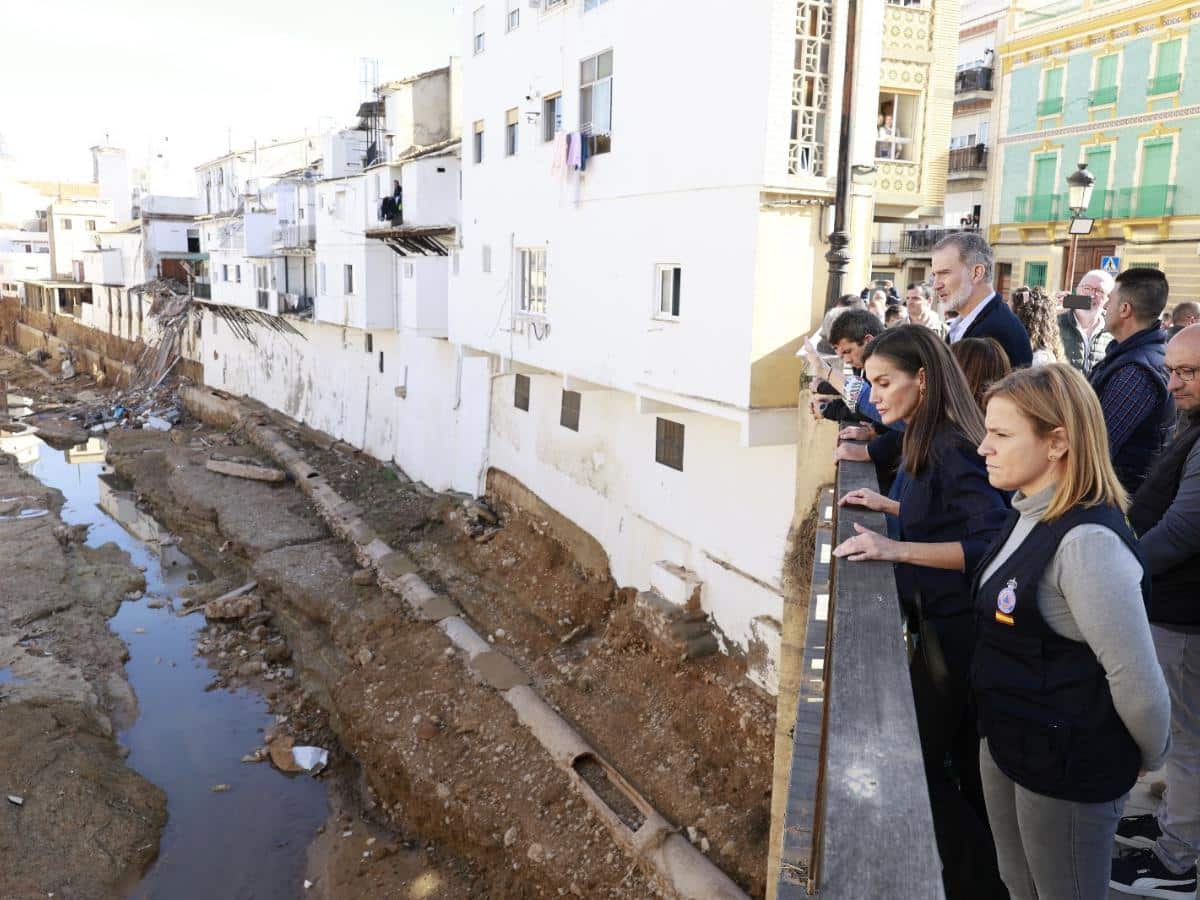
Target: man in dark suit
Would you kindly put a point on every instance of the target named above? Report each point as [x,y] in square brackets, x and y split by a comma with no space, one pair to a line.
[962,279]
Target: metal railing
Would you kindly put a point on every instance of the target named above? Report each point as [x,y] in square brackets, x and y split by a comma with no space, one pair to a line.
[1050,107]
[1164,84]
[922,240]
[890,248]
[856,788]
[298,236]
[1038,208]
[296,304]
[969,159]
[1147,201]
[976,78]
[1103,96]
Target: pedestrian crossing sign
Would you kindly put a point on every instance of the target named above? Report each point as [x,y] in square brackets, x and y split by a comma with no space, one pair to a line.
[1110,264]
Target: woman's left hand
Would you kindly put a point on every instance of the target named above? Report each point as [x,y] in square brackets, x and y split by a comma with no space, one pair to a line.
[867,545]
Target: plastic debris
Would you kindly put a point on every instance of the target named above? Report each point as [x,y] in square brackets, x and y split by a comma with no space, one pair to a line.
[311,759]
[15,800]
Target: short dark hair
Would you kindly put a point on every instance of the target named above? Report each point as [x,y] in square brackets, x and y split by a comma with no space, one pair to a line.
[1146,290]
[851,301]
[855,325]
[922,288]
[1183,309]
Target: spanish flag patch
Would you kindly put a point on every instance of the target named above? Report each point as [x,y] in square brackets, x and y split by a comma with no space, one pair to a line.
[1003,619]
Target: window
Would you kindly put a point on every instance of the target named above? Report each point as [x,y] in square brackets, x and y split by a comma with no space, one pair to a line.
[1035,274]
[668,444]
[550,4]
[595,101]
[369,343]
[592,4]
[1099,160]
[521,392]
[479,141]
[261,283]
[237,273]
[90,224]
[569,417]
[224,272]
[669,278]
[1104,90]
[321,277]
[551,116]
[381,362]
[408,270]
[514,15]
[347,279]
[478,30]
[1167,77]
[486,262]
[1051,103]
[897,125]
[66,224]
[1154,194]
[531,280]
[510,132]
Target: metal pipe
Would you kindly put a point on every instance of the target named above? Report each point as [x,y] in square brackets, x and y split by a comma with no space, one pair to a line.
[838,257]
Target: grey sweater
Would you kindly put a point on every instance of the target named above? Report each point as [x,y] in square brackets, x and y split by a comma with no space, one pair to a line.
[1091,592]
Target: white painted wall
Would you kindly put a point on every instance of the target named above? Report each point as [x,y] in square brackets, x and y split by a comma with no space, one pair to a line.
[730,503]
[431,187]
[328,380]
[68,243]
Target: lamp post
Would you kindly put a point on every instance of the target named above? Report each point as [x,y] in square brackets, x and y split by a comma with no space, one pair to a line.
[838,256]
[1079,196]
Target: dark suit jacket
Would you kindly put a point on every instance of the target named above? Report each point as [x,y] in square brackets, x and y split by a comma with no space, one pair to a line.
[951,500]
[997,321]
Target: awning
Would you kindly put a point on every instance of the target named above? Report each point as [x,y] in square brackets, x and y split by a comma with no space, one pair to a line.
[414,240]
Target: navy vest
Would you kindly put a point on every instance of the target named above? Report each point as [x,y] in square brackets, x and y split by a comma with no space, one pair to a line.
[1176,598]
[1147,350]
[1043,700]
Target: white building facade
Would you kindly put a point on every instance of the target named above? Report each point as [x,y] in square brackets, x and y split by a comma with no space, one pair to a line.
[642,310]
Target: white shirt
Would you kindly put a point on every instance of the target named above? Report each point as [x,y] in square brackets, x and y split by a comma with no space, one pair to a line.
[959,326]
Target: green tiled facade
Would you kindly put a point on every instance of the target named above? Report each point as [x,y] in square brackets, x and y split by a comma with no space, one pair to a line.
[1087,93]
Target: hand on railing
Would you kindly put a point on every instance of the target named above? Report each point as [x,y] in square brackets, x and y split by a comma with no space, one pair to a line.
[867,545]
[852,452]
[856,433]
[871,500]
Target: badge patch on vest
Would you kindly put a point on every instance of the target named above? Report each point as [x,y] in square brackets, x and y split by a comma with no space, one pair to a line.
[1006,600]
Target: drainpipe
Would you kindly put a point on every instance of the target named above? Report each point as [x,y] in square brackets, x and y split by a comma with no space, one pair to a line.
[838,257]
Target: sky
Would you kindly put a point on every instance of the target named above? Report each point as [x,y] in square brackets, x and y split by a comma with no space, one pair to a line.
[194,77]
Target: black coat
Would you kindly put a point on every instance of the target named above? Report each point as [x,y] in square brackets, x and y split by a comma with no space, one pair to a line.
[997,321]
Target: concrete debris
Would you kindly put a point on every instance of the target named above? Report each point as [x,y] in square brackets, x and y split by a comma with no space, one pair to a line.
[364,657]
[68,370]
[280,751]
[237,604]
[479,511]
[15,800]
[311,759]
[248,470]
[510,836]
[158,424]
[156,603]
[363,577]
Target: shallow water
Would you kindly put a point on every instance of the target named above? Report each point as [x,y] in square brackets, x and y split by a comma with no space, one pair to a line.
[6,677]
[248,842]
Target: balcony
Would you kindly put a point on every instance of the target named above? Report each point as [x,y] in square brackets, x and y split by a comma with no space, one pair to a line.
[1052,106]
[1105,96]
[1164,84]
[885,248]
[920,241]
[1038,208]
[975,80]
[295,305]
[294,237]
[1148,201]
[202,290]
[968,162]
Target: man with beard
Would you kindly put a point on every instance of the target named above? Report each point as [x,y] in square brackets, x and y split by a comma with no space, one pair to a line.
[962,280]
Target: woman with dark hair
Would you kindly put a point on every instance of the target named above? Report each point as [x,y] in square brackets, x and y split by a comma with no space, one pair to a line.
[983,362]
[1038,313]
[947,516]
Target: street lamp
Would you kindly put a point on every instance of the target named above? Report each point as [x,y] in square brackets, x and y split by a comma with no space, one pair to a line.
[1079,196]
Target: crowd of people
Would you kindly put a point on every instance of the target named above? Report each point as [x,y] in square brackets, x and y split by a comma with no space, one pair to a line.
[1039,469]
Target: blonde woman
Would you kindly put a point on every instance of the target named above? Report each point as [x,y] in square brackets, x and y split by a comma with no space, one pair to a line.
[1071,701]
[1037,312]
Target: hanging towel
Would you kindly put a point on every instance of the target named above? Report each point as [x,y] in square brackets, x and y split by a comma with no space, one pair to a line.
[574,150]
[558,162]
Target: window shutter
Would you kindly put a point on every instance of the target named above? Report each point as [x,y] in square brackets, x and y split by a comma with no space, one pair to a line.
[1106,71]
[1168,58]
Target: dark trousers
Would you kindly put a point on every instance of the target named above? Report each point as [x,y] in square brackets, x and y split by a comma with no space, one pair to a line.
[950,748]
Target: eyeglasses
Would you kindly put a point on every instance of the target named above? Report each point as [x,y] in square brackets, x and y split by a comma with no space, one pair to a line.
[1186,374]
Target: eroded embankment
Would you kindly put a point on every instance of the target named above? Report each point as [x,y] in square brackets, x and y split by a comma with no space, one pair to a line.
[86,823]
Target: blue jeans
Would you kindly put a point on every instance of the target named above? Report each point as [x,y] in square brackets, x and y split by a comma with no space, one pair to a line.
[1179,811]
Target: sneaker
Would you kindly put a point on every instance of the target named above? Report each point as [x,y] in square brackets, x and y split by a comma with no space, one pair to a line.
[1140,873]
[1138,831]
